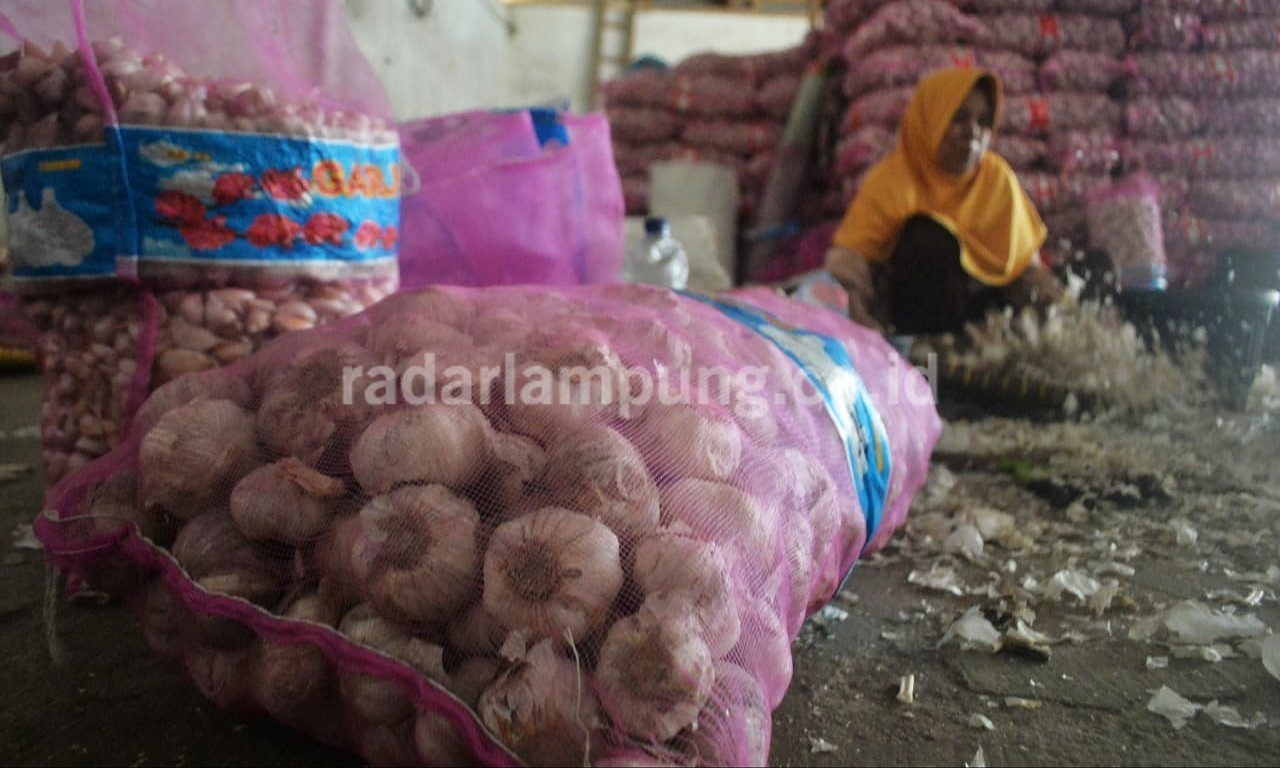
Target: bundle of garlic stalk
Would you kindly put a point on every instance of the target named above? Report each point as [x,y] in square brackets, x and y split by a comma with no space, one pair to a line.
[565,527]
[1083,351]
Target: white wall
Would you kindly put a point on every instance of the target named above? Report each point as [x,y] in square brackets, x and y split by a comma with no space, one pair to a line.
[550,56]
[462,56]
[551,51]
[452,60]
[675,35]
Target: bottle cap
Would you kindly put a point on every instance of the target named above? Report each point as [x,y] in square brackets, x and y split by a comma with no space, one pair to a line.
[655,225]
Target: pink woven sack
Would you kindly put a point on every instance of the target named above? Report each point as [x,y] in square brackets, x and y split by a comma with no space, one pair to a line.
[561,211]
[915,22]
[1163,117]
[599,554]
[903,65]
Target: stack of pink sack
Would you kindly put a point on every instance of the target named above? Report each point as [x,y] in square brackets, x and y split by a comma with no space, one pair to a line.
[1062,139]
[710,107]
[1203,111]
[887,49]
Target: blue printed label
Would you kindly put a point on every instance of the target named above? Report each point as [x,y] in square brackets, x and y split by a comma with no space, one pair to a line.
[827,365]
[249,199]
[61,213]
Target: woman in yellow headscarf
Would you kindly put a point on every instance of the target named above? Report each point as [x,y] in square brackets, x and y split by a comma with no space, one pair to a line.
[941,229]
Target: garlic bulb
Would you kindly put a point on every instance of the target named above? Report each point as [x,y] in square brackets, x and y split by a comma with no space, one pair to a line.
[720,513]
[557,389]
[540,706]
[655,672]
[291,678]
[598,472]
[415,554]
[477,632]
[220,559]
[553,573]
[311,412]
[195,453]
[373,698]
[674,567]
[734,726]
[517,463]
[400,336]
[115,505]
[184,389]
[686,441]
[432,443]
[285,501]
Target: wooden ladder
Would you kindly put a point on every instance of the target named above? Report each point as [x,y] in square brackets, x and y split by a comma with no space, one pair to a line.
[615,27]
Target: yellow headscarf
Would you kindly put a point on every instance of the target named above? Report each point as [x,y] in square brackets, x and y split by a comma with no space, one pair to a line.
[987,210]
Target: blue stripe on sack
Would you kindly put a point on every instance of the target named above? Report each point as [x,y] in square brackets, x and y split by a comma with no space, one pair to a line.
[845,395]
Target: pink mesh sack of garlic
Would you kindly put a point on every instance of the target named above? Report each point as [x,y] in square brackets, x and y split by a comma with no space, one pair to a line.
[88,125]
[1188,232]
[1124,222]
[641,88]
[916,22]
[636,158]
[642,124]
[549,526]
[1053,192]
[1044,115]
[846,15]
[1075,70]
[902,66]
[1219,10]
[793,60]
[1021,152]
[1224,117]
[1228,156]
[1240,73]
[880,108]
[1163,117]
[713,96]
[719,66]
[737,137]
[1038,35]
[778,94]
[185,166]
[1235,198]
[1116,8]
[859,150]
[1233,35]
[1157,30]
[983,8]
[1092,152]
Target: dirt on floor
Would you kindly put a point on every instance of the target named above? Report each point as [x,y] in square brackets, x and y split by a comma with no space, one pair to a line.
[1055,577]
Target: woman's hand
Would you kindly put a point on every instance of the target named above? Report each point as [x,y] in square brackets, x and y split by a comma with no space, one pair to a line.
[1036,286]
[853,272]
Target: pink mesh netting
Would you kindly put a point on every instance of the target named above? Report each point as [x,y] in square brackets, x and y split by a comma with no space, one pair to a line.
[493,572]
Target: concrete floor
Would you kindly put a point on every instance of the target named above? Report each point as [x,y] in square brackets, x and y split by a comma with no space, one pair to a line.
[1081,494]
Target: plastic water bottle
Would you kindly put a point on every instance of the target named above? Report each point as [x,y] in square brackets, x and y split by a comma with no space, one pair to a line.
[659,259]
